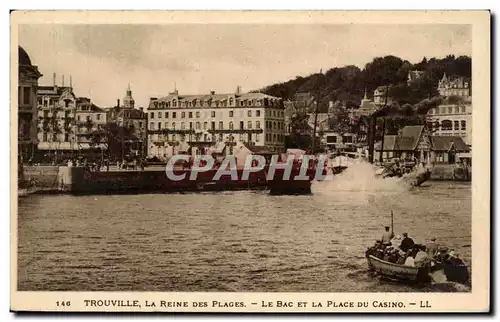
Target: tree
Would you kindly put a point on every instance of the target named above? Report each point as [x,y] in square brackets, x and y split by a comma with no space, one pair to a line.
[115,138]
[339,121]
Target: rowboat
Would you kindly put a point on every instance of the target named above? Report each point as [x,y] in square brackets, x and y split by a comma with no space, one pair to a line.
[397,271]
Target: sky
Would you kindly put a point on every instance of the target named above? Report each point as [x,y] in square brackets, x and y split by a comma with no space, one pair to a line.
[198,58]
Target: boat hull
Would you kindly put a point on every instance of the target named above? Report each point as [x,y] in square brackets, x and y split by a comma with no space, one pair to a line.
[396,271]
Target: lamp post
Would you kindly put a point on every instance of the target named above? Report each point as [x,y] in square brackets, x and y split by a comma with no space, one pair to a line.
[230,143]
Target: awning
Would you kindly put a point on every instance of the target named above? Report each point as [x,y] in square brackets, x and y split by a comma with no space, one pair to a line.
[464,155]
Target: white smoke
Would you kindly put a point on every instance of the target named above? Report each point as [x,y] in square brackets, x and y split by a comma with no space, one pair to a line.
[360,176]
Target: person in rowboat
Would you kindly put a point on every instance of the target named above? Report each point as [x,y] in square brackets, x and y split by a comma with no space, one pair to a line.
[406,243]
[387,236]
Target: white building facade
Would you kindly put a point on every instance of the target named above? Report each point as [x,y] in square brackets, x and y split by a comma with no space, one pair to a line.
[214,123]
[452,120]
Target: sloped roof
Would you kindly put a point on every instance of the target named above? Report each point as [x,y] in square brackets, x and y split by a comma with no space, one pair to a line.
[406,141]
[133,113]
[217,97]
[258,149]
[409,136]
[389,143]
[445,143]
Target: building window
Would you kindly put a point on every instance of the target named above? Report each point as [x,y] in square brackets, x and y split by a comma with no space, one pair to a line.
[166,125]
[257,124]
[221,138]
[173,125]
[183,126]
[249,113]
[205,124]
[190,125]
[140,124]
[446,125]
[190,115]
[213,126]
[183,115]
[174,138]
[455,125]
[457,110]
[197,114]
[231,113]
[152,126]
[152,115]
[66,103]
[450,110]
[159,115]
[212,113]
[274,125]
[249,125]
[221,125]
[464,125]
[174,103]
[159,126]
[463,109]
[231,125]
[231,101]
[166,115]
[174,115]
[257,137]
[242,126]
[26,95]
[258,112]
[98,117]
[198,125]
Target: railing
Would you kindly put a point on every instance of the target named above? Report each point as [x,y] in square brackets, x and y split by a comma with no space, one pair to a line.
[237,131]
[172,131]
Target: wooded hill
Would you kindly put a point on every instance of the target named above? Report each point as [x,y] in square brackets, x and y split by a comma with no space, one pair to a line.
[347,84]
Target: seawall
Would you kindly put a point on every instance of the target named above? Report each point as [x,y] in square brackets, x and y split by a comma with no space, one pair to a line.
[450,172]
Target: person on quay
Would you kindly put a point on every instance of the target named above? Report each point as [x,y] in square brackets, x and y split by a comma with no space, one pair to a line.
[386,236]
[406,243]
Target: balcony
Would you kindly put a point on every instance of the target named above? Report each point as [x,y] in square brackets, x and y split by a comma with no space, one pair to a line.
[235,131]
[172,131]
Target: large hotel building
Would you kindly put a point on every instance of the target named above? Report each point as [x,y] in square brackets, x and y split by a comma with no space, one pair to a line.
[214,123]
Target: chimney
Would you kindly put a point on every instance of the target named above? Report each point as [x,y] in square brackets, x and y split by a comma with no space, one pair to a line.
[238,90]
[118,102]
[212,92]
[70,81]
[54,79]
[62,81]
[141,109]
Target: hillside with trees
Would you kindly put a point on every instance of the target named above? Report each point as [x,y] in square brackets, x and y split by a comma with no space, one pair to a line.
[348,84]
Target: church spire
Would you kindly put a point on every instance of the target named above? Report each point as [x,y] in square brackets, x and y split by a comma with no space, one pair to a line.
[366,97]
[128,100]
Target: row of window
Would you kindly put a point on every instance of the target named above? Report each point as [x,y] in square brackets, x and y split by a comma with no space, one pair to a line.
[54,137]
[215,103]
[198,125]
[197,114]
[277,138]
[447,125]
[448,110]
